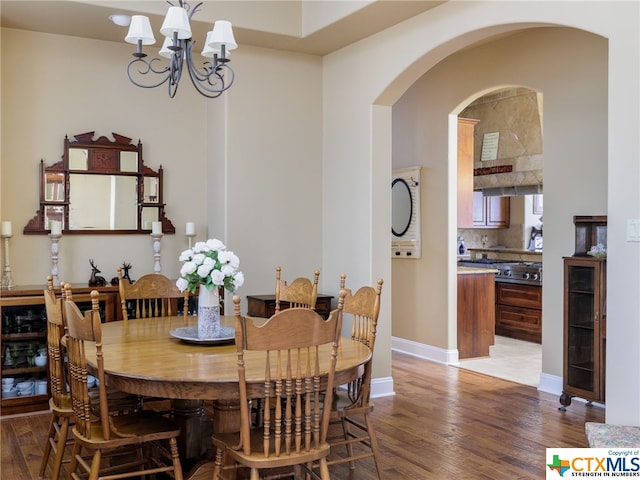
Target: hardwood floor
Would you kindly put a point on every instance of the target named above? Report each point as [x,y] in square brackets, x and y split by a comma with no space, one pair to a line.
[443,422]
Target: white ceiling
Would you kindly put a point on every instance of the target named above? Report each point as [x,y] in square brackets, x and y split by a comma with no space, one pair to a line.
[256,22]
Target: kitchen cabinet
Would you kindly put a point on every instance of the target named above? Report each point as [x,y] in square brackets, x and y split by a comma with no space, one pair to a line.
[584,330]
[476,311]
[23,333]
[519,311]
[466,127]
[491,212]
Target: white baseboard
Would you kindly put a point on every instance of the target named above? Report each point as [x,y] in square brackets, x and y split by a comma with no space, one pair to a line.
[548,383]
[427,352]
[382,387]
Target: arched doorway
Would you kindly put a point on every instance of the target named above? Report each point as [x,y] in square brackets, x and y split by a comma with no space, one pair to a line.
[498,220]
[422,312]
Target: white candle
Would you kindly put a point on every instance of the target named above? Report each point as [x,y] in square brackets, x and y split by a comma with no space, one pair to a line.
[191,228]
[6,229]
[56,227]
[156,227]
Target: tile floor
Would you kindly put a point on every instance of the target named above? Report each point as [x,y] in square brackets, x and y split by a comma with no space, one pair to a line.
[510,359]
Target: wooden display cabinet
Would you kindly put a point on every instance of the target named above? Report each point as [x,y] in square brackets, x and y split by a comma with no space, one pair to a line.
[591,230]
[584,330]
[264,306]
[24,330]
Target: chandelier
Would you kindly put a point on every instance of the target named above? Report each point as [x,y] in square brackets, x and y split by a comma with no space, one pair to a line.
[211,79]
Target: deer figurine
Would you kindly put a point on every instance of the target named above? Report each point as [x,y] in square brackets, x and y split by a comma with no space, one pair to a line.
[96,280]
[125,269]
[125,276]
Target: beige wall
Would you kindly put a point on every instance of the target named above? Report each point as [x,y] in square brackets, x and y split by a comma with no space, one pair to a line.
[417,46]
[245,168]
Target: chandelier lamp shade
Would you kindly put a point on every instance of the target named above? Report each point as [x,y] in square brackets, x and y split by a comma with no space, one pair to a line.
[211,79]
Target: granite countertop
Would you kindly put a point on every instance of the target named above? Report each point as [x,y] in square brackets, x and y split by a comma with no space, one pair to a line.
[475,270]
[507,253]
[505,250]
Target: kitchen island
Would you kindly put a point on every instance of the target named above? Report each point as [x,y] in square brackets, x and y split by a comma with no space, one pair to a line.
[476,311]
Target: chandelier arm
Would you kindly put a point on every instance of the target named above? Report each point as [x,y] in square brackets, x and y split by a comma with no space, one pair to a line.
[148,68]
[209,80]
[175,69]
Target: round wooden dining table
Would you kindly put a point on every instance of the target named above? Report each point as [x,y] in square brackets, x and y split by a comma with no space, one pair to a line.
[144,357]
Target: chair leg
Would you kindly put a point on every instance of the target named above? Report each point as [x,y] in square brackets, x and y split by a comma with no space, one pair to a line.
[47,448]
[345,430]
[324,469]
[61,446]
[217,468]
[374,444]
[74,459]
[95,465]
[175,456]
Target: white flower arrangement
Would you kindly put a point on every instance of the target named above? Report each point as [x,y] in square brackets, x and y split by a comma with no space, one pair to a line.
[598,251]
[209,264]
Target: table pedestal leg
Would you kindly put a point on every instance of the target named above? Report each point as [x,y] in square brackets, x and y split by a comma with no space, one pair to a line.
[196,428]
[226,416]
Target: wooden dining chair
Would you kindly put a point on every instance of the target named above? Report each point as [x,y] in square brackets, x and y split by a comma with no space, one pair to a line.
[352,410]
[152,295]
[302,292]
[100,433]
[58,436]
[299,368]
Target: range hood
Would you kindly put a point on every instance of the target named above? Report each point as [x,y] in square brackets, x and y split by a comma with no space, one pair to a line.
[511,191]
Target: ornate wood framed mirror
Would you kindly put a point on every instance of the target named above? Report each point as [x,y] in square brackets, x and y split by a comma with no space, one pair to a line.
[100,187]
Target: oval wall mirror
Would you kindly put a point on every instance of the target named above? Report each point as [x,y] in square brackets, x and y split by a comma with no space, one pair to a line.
[401,207]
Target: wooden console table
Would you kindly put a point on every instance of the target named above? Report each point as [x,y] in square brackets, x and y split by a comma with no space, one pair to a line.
[265,305]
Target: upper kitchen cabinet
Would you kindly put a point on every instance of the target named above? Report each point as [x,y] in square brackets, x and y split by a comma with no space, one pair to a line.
[475,210]
[466,128]
[490,212]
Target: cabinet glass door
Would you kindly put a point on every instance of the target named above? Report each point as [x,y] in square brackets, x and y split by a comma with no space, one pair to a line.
[581,334]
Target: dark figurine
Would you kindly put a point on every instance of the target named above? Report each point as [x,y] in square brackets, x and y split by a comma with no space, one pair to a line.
[125,268]
[96,280]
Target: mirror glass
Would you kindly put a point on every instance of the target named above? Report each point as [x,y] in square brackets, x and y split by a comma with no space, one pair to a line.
[54,187]
[401,207]
[102,202]
[149,215]
[151,187]
[128,161]
[78,159]
[53,213]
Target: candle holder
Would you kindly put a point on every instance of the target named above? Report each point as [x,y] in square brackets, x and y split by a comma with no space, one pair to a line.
[7,279]
[55,249]
[157,268]
[190,236]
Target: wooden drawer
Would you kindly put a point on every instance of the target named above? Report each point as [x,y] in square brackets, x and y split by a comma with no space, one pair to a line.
[265,305]
[519,323]
[519,311]
[526,296]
